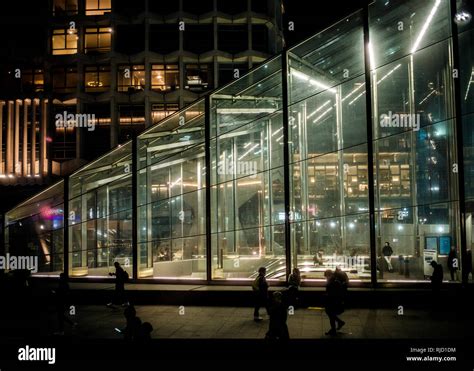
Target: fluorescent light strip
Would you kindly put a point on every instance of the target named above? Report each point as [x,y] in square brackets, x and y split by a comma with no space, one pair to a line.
[429,95]
[353,100]
[319,109]
[425,26]
[173,184]
[320,116]
[352,92]
[250,150]
[305,77]
[378,82]
[276,132]
[469,85]
[389,73]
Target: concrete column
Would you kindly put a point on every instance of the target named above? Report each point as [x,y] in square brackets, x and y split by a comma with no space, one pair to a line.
[34,103]
[9,139]
[43,133]
[24,149]
[16,148]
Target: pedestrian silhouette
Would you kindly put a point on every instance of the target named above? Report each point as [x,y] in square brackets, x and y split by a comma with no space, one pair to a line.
[437,276]
[260,289]
[278,329]
[121,276]
[294,282]
[335,293]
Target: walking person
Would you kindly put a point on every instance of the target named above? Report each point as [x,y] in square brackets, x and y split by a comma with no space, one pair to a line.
[387,253]
[278,329]
[62,302]
[260,289]
[453,262]
[121,276]
[334,301]
[436,277]
[294,282]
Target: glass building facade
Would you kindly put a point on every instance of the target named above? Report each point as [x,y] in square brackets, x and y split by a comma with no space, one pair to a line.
[359,136]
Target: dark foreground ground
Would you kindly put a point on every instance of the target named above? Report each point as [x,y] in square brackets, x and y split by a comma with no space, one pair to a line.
[382,329]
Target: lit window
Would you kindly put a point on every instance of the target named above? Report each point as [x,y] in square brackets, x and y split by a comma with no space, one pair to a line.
[64,79]
[64,7]
[198,77]
[98,40]
[164,77]
[132,114]
[98,7]
[161,110]
[131,78]
[33,80]
[97,79]
[64,41]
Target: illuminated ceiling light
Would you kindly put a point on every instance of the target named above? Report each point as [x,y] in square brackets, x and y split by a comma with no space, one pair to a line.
[319,109]
[469,84]
[332,224]
[305,77]
[322,115]
[275,133]
[462,17]
[250,150]
[425,26]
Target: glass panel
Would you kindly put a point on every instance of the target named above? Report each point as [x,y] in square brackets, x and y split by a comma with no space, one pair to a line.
[100,218]
[466,76]
[400,28]
[35,229]
[172,198]
[416,194]
[247,211]
[328,153]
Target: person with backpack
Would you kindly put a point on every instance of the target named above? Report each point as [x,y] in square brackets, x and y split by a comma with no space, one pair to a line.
[334,301]
[121,276]
[387,253]
[260,290]
[342,276]
[294,282]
